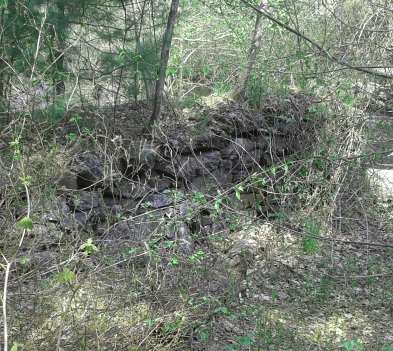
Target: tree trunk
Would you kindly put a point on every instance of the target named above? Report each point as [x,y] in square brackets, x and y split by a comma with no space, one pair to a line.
[59,82]
[58,54]
[166,45]
[138,24]
[251,56]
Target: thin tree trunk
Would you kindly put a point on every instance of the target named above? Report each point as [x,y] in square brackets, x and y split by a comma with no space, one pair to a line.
[59,55]
[59,83]
[3,66]
[138,23]
[251,56]
[166,45]
[137,32]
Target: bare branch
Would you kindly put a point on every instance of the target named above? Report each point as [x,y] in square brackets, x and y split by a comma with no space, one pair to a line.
[314,43]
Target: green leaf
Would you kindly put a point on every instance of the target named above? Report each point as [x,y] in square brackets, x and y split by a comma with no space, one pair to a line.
[71,136]
[245,340]
[194,258]
[221,309]
[87,243]
[66,275]
[132,250]
[25,181]
[14,143]
[203,336]
[170,70]
[274,294]
[24,260]
[239,190]
[15,346]
[149,322]
[168,327]
[26,223]
[88,246]
[75,118]
[170,243]
[346,345]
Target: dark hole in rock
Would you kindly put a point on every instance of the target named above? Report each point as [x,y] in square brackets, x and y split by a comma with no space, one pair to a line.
[205,213]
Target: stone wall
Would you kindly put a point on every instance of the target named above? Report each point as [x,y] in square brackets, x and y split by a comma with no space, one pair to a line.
[172,185]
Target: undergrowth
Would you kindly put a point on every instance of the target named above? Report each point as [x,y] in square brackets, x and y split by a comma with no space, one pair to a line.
[304,275]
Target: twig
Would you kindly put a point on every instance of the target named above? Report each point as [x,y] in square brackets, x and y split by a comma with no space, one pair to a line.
[347,242]
[5,333]
[364,276]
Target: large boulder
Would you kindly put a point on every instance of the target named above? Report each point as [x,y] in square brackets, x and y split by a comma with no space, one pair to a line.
[208,142]
[139,162]
[90,171]
[84,201]
[188,167]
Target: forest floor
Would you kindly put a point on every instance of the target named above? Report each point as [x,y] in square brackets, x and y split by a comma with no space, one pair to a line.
[291,292]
